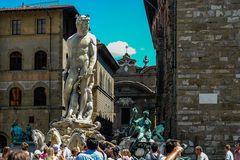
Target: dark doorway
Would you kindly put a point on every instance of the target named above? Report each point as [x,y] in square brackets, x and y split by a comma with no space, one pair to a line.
[3,142]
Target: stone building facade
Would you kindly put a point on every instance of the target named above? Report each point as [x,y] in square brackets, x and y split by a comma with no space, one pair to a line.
[31,60]
[134,87]
[163,37]
[32,57]
[203,40]
[103,90]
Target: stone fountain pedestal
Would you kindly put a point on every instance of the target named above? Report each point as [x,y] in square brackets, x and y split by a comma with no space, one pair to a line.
[72,130]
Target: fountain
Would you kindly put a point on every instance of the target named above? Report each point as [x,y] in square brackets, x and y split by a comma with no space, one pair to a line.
[139,136]
[19,136]
[76,124]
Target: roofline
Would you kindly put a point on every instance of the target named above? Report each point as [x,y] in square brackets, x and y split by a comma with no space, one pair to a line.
[150,13]
[147,68]
[106,54]
[37,8]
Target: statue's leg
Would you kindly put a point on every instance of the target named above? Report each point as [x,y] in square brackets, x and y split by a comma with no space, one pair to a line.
[84,96]
[131,130]
[73,106]
[68,87]
[134,144]
[88,112]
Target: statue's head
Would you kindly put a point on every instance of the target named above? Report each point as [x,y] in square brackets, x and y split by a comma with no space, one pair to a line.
[145,113]
[98,124]
[15,123]
[82,23]
[82,18]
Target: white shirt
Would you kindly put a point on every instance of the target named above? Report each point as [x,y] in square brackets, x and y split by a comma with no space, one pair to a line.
[229,156]
[202,156]
[66,153]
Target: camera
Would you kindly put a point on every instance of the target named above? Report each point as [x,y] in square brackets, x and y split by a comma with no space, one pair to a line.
[184,146]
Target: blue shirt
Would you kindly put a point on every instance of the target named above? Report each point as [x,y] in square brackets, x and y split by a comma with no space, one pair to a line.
[90,155]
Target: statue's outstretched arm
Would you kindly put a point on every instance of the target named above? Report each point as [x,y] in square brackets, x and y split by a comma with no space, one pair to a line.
[111,145]
[134,115]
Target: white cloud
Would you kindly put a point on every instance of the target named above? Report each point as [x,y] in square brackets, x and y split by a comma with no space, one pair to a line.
[119,48]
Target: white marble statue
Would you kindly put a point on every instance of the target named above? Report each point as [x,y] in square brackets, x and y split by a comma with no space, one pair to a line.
[78,74]
[78,139]
[53,137]
[39,139]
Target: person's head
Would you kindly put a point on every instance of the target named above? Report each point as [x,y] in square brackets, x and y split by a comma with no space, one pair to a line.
[170,144]
[75,151]
[50,152]
[82,24]
[116,151]
[198,150]
[45,149]
[227,147]
[102,145]
[24,146]
[154,147]
[126,152]
[109,152]
[92,143]
[238,145]
[6,151]
[18,155]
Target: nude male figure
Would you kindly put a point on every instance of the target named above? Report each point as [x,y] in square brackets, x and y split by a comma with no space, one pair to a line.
[82,55]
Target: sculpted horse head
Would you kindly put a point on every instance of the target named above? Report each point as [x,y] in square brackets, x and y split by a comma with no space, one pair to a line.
[157,134]
[38,138]
[78,139]
[54,136]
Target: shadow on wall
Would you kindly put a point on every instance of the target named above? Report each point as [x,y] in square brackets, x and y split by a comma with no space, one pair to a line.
[106,128]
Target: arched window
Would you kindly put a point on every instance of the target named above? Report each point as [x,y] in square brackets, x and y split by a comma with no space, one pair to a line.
[40,97]
[101,79]
[15,61]
[40,60]
[15,97]
[109,87]
[105,83]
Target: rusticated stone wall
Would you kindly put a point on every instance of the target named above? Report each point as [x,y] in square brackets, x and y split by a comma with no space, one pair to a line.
[208,73]
[161,18]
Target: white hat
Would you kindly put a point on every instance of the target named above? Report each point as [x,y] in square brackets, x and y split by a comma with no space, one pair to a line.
[36,152]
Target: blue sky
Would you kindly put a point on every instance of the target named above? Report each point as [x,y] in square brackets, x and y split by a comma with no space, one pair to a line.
[116,23]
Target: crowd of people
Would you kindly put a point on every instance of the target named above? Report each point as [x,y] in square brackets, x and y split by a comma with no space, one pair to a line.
[104,150]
